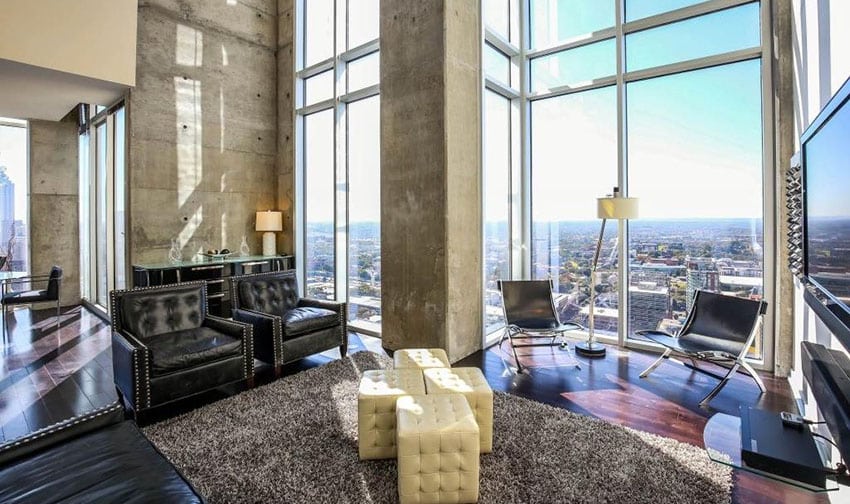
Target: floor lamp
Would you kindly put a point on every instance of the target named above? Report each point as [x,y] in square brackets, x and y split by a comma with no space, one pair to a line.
[611,207]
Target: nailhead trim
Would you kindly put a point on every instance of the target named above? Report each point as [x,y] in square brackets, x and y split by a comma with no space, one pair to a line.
[59,426]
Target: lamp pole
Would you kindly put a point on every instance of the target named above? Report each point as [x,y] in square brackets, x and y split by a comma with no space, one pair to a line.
[591,348]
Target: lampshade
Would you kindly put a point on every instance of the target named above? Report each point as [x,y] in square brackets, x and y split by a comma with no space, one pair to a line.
[270,221]
[617,208]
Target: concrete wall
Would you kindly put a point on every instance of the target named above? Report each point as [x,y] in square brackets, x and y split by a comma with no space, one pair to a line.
[821,64]
[430,175]
[54,203]
[203,125]
[92,38]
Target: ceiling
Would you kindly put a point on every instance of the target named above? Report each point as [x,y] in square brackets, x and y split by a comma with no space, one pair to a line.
[31,92]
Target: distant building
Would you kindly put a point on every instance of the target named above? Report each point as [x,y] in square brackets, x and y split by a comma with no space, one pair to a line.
[648,305]
[702,274]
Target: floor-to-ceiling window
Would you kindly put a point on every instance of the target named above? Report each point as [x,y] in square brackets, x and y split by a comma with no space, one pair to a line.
[663,100]
[103,262]
[14,192]
[338,155]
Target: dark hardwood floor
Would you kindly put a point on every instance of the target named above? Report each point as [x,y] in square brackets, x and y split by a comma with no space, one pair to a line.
[47,375]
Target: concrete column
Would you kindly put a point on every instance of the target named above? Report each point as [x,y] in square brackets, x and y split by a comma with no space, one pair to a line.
[783,100]
[431,175]
[54,203]
[285,122]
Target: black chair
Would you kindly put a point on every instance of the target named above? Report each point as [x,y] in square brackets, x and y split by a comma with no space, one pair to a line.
[166,346]
[286,327]
[530,313]
[52,281]
[719,329]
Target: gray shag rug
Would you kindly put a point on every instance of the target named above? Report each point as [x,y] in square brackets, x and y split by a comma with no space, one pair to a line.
[295,440]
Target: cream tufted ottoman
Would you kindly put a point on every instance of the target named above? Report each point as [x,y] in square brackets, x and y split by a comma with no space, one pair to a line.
[420,358]
[438,448]
[471,383]
[379,390]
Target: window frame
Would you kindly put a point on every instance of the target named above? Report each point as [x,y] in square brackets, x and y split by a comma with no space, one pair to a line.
[338,64]
[521,94]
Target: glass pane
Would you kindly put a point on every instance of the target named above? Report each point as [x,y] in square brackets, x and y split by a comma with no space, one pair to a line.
[101,220]
[702,36]
[119,203]
[555,21]
[319,204]
[363,22]
[319,87]
[497,17]
[85,221]
[574,66]
[699,129]
[497,65]
[364,213]
[497,193]
[639,9]
[573,162]
[364,72]
[318,31]
[14,239]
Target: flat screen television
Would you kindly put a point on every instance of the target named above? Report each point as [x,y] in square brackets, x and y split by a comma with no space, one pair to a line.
[826,199]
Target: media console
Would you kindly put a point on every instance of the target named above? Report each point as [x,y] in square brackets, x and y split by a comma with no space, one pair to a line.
[214,271]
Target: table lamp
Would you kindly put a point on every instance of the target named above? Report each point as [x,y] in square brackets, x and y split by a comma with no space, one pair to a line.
[268,223]
[611,207]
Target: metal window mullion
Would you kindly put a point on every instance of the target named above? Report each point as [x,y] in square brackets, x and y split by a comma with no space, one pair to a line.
[682,14]
[524,207]
[316,69]
[340,158]
[695,64]
[622,177]
[316,107]
[599,36]
[770,217]
[501,89]
[566,90]
[360,51]
[504,46]
[360,94]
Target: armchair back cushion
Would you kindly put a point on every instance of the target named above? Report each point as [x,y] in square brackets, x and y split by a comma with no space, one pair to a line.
[150,312]
[272,294]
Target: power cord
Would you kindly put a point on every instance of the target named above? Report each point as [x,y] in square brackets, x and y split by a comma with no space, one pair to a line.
[840,467]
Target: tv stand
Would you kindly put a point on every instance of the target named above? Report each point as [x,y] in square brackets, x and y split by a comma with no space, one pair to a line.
[722,440]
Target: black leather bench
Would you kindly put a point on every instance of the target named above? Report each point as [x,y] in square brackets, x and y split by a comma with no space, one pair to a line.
[96,457]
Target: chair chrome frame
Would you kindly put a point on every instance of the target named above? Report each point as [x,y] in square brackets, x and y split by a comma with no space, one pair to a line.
[730,362]
[30,279]
[513,331]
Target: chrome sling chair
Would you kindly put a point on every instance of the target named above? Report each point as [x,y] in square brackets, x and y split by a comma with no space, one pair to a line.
[530,313]
[719,329]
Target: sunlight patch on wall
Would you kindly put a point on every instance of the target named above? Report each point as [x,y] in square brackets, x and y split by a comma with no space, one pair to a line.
[190,46]
[189,137]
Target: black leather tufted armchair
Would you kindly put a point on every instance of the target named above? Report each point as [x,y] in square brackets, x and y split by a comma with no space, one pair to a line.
[166,346]
[286,327]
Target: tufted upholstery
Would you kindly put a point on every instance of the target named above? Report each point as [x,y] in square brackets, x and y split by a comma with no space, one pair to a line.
[286,327]
[471,383]
[438,449]
[273,295]
[166,346]
[146,313]
[420,358]
[376,399]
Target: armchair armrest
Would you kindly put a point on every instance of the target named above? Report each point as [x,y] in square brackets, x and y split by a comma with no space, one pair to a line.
[240,331]
[644,332]
[62,431]
[263,324]
[335,306]
[131,364]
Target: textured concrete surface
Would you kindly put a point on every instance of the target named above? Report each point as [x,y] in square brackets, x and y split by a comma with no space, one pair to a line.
[285,122]
[54,203]
[783,150]
[430,176]
[203,125]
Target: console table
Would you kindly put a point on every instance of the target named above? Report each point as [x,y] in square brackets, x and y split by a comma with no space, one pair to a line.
[722,439]
[214,271]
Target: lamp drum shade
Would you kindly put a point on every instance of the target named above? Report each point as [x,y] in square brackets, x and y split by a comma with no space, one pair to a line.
[269,221]
[617,208]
